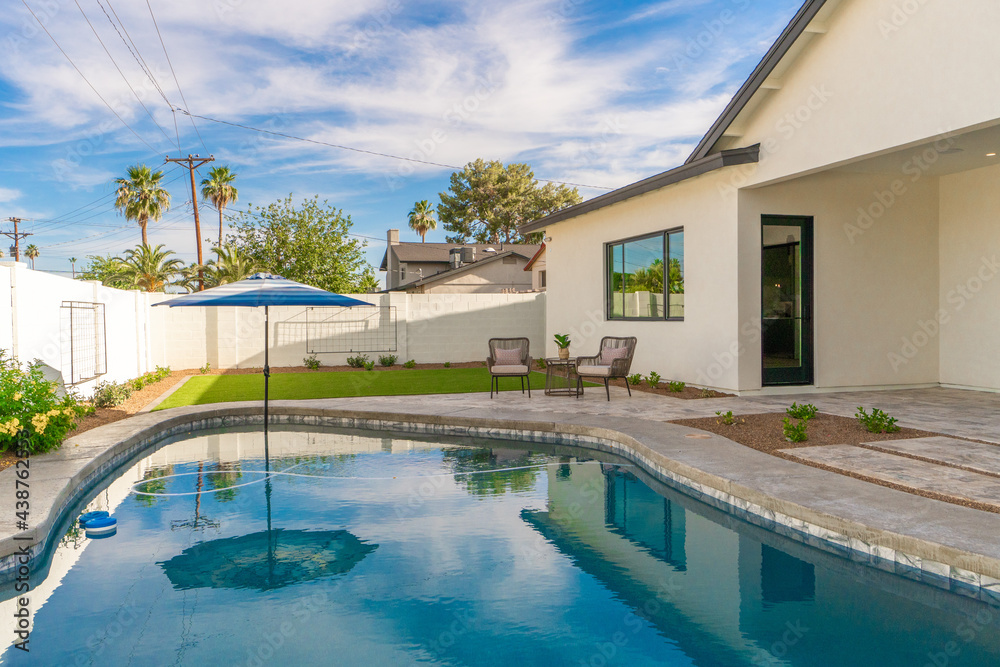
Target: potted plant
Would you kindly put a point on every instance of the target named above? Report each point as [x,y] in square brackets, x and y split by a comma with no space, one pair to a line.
[562,340]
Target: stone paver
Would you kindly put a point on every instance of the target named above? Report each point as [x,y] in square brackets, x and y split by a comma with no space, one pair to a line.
[960,453]
[906,472]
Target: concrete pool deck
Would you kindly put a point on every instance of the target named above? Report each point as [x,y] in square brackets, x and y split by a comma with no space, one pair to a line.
[945,544]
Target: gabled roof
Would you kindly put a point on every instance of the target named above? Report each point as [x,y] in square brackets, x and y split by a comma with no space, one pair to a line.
[464,268]
[706,157]
[439,253]
[541,249]
[676,175]
[789,36]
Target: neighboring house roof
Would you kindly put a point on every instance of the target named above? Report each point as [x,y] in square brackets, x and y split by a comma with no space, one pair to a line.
[462,269]
[676,175]
[705,158]
[541,249]
[439,253]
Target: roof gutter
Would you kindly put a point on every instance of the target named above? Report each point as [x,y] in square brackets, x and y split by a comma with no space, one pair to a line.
[704,165]
[791,33]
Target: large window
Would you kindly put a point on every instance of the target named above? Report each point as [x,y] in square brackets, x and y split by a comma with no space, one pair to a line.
[645,277]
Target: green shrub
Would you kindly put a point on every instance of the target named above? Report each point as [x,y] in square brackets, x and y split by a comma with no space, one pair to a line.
[877,421]
[540,362]
[357,361]
[410,364]
[311,362]
[706,393]
[369,365]
[676,387]
[161,373]
[387,360]
[206,368]
[634,379]
[726,418]
[653,379]
[807,411]
[447,364]
[110,394]
[33,418]
[795,432]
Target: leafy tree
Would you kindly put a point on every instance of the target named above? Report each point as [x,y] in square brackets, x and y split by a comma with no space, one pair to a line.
[218,188]
[487,202]
[422,218]
[31,252]
[149,269]
[308,243]
[107,269]
[141,197]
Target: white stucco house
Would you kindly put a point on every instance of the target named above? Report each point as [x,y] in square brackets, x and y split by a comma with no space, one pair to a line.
[837,227]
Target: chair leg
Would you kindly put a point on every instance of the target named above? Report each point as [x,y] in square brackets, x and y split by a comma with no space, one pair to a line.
[529,385]
[522,384]
[628,387]
[607,388]
[492,380]
[579,386]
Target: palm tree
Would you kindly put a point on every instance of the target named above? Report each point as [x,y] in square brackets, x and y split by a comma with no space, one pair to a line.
[72,263]
[218,188]
[31,252]
[149,269]
[231,264]
[140,196]
[422,218]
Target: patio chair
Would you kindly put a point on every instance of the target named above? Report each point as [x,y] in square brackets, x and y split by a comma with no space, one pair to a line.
[508,358]
[613,361]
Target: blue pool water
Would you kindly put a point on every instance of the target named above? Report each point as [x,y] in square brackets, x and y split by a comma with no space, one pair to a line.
[389,551]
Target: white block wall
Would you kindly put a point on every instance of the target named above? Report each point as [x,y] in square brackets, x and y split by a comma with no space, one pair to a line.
[430,328]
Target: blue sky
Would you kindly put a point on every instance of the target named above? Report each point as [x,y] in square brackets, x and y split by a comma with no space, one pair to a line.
[597,93]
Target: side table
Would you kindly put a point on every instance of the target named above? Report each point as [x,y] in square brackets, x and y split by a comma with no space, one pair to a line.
[560,377]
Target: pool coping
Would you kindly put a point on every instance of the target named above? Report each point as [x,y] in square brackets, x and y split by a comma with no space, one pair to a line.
[918,538]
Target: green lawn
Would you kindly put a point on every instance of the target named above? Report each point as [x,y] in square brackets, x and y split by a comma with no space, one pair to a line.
[294,386]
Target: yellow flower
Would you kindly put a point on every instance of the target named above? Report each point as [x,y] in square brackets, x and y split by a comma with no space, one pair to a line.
[53,412]
[68,412]
[17,397]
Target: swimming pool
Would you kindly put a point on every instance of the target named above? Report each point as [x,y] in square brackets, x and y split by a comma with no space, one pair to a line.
[377,549]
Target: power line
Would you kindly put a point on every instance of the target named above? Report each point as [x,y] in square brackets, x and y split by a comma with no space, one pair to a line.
[135,53]
[110,108]
[362,150]
[173,73]
[124,78]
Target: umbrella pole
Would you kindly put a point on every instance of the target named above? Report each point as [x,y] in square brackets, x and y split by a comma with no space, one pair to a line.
[267,376]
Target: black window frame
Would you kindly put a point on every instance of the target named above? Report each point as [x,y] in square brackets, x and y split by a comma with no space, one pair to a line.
[665,235]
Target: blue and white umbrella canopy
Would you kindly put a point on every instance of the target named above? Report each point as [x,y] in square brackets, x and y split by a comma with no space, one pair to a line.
[264,289]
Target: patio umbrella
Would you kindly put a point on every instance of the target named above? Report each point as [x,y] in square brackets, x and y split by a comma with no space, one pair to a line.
[264,289]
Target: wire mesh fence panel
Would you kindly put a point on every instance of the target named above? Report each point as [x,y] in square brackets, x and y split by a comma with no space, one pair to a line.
[82,332]
[358,329]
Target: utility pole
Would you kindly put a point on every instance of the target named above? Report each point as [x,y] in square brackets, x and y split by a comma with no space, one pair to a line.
[16,236]
[192,162]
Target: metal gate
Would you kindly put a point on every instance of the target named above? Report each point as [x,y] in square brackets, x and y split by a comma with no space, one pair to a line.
[82,331]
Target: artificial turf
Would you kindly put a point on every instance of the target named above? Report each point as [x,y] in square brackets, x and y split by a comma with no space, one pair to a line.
[200,390]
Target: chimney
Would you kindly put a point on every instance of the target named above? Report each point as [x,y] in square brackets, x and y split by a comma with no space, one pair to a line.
[393,237]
